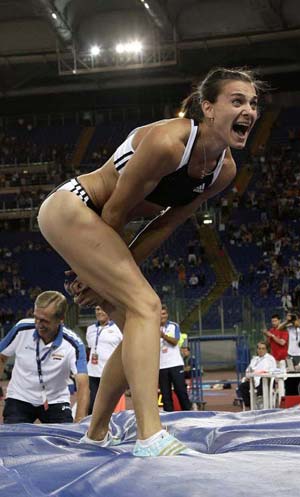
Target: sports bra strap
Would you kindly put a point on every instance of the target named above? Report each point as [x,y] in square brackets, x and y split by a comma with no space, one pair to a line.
[189,146]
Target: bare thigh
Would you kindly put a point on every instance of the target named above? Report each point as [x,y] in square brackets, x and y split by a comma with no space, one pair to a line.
[93,249]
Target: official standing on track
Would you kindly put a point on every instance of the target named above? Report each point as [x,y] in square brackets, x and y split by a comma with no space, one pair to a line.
[102,338]
[171,370]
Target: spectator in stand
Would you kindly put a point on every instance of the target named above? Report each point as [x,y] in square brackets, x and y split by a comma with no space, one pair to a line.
[286,301]
[171,372]
[278,339]
[155,263]
[235,285]
[264,288]
[46,353]
[297,296]
[251,274]
[166,262]
[193,280]
[181,272]
[102,338]
[192,257]
[285,280]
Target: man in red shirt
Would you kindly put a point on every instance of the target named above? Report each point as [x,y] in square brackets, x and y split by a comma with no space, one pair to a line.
[278,339]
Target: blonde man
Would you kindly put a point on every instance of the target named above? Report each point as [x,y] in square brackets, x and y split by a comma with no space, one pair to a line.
[46,353]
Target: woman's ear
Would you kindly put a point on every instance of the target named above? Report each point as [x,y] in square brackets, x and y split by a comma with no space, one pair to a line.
[207,109]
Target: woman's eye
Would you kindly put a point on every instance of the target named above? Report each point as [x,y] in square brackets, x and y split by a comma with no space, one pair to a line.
[237,101]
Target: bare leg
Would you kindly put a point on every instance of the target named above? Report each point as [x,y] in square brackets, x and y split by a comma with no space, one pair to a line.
[125,361]
[140,356]
[113,380]
[113,384]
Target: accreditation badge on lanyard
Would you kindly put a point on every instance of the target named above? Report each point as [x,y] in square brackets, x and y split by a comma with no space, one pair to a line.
[164,348]
[39,361]
[95,355]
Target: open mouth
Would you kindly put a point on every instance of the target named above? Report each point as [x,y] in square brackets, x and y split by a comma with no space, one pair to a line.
[241,128]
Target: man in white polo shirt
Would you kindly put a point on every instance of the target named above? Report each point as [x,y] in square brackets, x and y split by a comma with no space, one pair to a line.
[171,369]
[102,338]
[46,353]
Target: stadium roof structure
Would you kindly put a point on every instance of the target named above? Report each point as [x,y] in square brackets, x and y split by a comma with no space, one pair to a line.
[45,44]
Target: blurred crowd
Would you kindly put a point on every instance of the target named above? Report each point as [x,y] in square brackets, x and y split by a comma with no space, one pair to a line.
[273,197]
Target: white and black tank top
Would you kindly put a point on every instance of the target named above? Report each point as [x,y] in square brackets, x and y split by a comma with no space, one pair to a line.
[176,188]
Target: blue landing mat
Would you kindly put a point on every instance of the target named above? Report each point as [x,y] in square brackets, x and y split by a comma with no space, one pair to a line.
[251,454]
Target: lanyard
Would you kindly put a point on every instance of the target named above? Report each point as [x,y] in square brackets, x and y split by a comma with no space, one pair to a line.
[99,329]
[39,369]
[98,333]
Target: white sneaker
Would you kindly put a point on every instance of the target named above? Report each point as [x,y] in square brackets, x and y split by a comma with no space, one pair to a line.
[108,441]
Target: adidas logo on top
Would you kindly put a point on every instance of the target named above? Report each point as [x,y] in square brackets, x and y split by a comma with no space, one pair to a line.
[199,188]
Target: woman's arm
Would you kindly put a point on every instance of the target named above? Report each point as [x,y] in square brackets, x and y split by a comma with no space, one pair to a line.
[157,155]
[159,230]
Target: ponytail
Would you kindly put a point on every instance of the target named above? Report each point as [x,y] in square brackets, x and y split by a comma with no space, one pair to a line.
[191,107]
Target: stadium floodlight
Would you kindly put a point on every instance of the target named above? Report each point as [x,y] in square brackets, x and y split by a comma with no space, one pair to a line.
[147,6]
[207,218]
[95,50]
[135,47]
[120,48]
[53,15]
[131,47]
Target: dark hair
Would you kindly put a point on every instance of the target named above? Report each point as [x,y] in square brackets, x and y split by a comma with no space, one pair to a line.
[294,315]
[275,316]
[211,86]
[262,342]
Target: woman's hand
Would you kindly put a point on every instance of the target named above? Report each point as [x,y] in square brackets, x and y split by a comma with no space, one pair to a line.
[83,295]
[88,298]
[72,284]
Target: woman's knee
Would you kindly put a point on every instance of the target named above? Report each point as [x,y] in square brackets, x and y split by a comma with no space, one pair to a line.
[147,304]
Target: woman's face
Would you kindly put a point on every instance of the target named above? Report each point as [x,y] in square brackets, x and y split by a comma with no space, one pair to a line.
[234,113]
